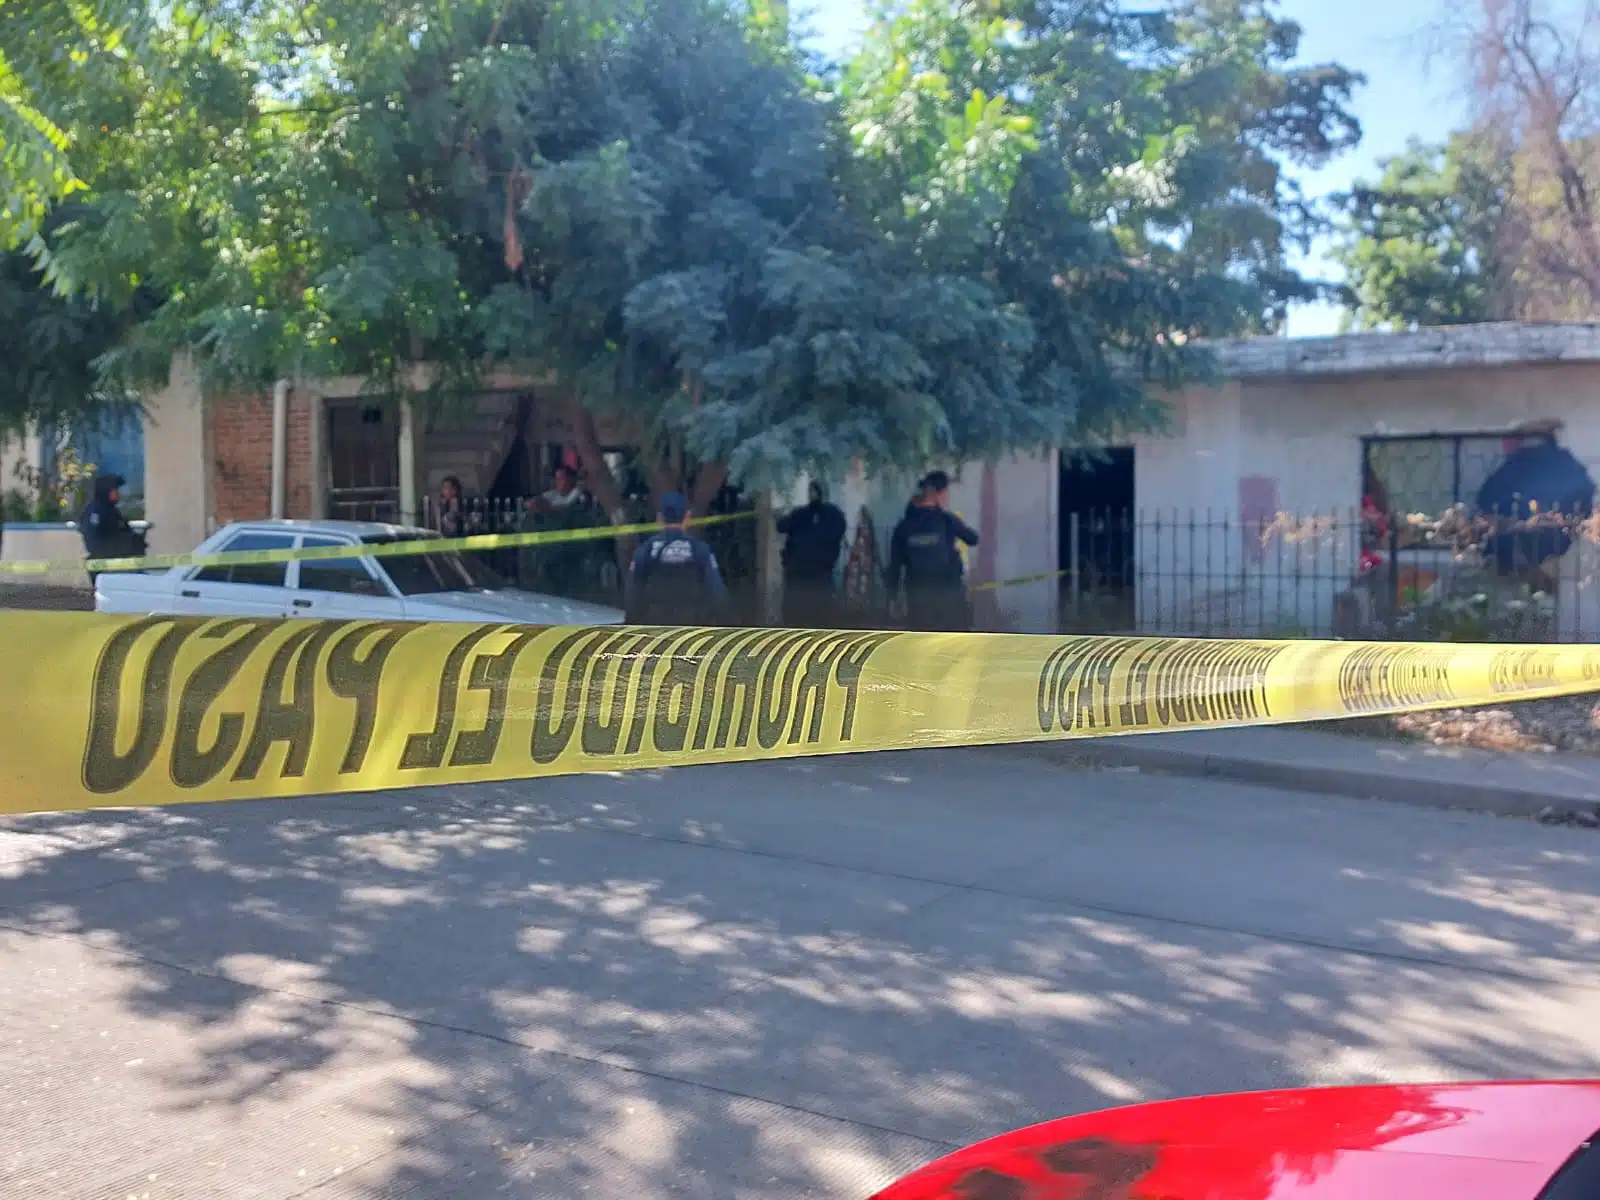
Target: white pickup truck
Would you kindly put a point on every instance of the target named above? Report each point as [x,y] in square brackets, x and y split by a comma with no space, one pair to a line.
[435,586]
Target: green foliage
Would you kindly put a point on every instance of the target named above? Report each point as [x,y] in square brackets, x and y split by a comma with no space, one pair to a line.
[1139,153]
[16,507]
[1483,609]
[52,347]
[991,230]
[1422,246]
[49,496]
[145,114]
[32,162]
[57,58]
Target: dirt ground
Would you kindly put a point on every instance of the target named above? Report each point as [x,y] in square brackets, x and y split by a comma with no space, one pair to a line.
[1570,725]
[43,596]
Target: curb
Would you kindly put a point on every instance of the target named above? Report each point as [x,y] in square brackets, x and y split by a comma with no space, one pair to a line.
[1354,783]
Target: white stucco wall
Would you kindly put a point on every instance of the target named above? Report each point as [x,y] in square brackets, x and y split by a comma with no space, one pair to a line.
[1211,559]
[1206,557]
[1194,461]
[20,452]
[55,542]
[176,501]
[1026,542]
[1017,530]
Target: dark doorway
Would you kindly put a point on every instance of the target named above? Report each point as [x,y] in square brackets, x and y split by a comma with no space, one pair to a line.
[363,461]
[515,480]
[1095,501]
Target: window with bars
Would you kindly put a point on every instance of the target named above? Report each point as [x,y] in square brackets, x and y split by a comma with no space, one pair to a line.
[1429,473]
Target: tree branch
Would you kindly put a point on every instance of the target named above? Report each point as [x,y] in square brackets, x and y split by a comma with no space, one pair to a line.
[597,472]
[494,30]
[708,482]
[1533,77]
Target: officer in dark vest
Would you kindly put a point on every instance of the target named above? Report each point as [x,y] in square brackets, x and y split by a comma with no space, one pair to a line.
[674,579]
[924,559]
[105,531]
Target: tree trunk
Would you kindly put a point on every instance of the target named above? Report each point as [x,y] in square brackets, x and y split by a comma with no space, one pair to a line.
[597,471]
[707,484]
[601,481]
[663,477]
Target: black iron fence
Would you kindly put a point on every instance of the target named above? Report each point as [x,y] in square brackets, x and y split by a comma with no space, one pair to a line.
[1526,576]
[1357,573]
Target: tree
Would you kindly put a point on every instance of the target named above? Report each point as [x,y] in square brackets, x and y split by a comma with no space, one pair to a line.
[54,53]
[685,264]
[140,114]
[1533,72]
[750,271]
[1499,222]
[51,349]
[1158,138]
[1423,245]
[377,185]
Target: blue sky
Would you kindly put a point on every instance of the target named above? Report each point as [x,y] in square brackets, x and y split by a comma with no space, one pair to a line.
[1383,39]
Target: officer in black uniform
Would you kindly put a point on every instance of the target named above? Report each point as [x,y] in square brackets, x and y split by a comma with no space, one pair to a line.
[813,536]
[105,531]
[674,579]
[924,560]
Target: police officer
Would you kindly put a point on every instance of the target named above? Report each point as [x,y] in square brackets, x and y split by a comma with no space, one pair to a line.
[673,579]
[925,559]
[105,531]
[813,536]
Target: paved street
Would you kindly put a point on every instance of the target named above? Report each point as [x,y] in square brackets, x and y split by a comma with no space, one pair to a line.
[755,981]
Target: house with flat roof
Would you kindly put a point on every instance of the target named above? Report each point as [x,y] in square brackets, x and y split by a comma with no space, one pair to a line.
[1240,516]
[1273,466]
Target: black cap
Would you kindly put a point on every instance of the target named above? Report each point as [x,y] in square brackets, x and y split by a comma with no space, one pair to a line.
[674,508]
[935,481]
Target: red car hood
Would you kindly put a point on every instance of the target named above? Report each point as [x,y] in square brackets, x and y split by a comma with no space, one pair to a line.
[1498,1141]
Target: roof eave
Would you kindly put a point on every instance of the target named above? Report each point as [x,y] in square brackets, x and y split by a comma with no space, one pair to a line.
[1501,344]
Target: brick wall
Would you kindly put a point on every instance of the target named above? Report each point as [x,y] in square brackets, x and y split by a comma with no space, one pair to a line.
[239,432]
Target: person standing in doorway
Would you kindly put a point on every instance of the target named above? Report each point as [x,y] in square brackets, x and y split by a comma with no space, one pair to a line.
[564,492]
[674,578]
[813,537]
[925,560]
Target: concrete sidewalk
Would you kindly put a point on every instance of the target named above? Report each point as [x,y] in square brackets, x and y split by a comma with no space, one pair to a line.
[1334,764]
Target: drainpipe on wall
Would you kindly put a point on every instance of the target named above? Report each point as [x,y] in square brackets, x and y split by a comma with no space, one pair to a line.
[317,466]
[407,454]
[280,446]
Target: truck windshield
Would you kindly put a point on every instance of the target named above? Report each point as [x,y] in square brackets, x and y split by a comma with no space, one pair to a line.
[434,572]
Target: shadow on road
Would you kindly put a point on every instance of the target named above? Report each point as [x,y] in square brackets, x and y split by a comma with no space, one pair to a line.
[748,981]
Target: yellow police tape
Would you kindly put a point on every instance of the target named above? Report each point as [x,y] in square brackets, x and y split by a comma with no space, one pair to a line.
[991,585]
[100,711]
[395,549]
